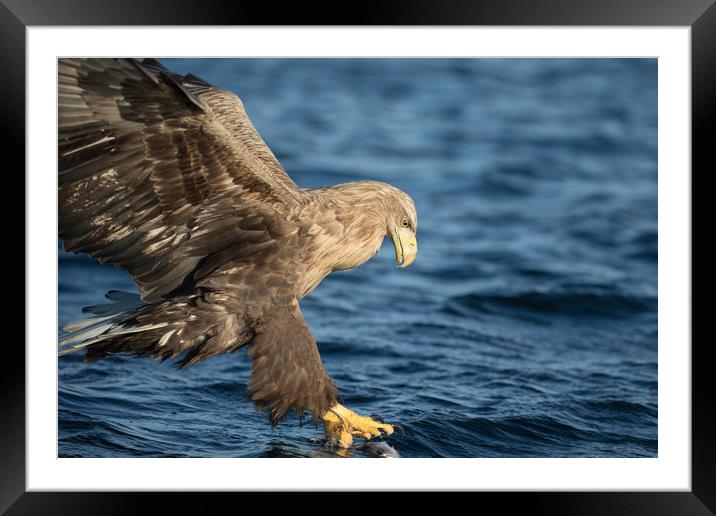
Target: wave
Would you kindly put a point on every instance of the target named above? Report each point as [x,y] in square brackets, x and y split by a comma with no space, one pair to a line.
[524,436]
[570,304]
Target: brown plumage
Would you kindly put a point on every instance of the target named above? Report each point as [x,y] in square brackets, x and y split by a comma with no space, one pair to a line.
[166,177]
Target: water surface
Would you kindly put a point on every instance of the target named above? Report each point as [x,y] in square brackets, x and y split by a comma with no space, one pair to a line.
[527,327]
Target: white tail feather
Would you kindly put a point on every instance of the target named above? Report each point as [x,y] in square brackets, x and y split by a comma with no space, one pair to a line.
[76,326]
[90,330]
[85,334]
[101,333]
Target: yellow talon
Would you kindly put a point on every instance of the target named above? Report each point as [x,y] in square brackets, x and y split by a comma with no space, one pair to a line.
[340,424]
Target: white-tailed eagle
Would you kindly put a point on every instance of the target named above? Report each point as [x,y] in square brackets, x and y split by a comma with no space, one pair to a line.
[165,176]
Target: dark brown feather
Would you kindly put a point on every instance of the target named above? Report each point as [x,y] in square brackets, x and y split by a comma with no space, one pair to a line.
[199,325]
[142,153]
[288,375]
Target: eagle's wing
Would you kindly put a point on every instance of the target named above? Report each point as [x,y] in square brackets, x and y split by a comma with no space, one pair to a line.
[287,371]
[150,164]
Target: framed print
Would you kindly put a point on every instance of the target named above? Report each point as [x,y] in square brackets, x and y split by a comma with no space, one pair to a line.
[540,343]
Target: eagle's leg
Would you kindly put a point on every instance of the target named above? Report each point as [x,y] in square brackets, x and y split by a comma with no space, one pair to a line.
[340,424]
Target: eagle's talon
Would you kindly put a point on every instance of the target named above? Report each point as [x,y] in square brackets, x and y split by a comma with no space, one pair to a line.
[341,424]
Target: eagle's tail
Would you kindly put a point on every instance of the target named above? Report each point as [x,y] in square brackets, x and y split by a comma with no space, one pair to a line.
[199,325]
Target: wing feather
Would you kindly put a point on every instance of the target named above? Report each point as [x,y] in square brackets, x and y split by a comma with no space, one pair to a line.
[144,159]
[288,374]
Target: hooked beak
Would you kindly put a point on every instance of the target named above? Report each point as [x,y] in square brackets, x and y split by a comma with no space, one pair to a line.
[406,246]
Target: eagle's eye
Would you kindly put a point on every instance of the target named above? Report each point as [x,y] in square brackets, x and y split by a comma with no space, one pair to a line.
[405,223]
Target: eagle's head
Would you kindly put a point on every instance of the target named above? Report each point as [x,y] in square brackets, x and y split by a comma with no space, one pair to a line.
[369,212]
[402,223]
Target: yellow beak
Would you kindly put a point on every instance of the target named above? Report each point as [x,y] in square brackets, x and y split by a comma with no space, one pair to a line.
[406,247]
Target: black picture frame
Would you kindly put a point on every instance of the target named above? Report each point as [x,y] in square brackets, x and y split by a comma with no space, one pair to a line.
[17,15]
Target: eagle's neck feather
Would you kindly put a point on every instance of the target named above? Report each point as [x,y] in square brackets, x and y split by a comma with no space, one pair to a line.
[354,224]
[364,220]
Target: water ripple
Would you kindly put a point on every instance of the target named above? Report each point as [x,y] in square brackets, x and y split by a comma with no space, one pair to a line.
[527,327]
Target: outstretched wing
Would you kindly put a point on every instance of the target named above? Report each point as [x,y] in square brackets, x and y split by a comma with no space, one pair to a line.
[147,159]
[287,371]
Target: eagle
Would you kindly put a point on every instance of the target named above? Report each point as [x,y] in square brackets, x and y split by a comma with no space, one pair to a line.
[165,176]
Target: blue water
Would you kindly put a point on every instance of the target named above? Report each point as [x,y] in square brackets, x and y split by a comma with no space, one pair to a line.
[527,327]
